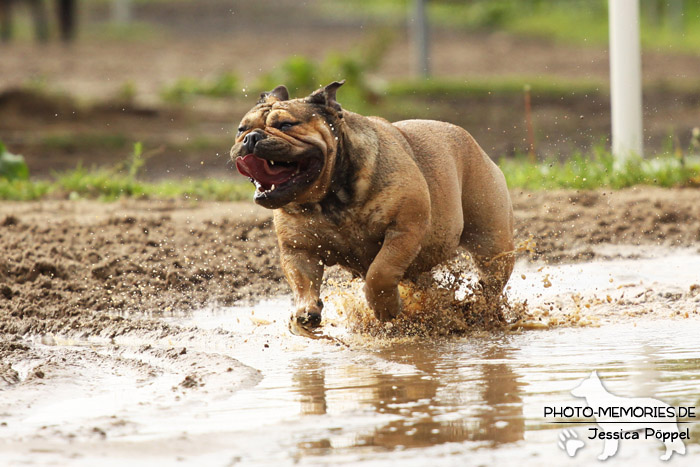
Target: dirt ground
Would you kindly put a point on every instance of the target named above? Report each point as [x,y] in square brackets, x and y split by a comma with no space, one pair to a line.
[82,267]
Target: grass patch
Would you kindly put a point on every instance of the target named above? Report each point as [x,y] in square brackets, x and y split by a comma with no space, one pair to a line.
[12,166]
[486,87]
[598,170]
[132,32]
[593,171]
[572,21]
[579,172]
[105,185]
[587,23]
[226,84]
[120,181]
[108,185]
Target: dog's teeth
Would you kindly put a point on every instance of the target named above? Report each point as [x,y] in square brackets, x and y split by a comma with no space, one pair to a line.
[272,162]
[273,188]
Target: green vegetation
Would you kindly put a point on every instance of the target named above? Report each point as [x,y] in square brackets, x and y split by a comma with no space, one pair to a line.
[587,22]
[126,94]
[134,32]
[482,87]
[301,75]
[574,21]
[598,170]
[225,85]
[12,166]
[108,184]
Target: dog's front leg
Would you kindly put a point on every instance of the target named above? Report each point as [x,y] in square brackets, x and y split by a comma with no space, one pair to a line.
[400,248]
[304,272]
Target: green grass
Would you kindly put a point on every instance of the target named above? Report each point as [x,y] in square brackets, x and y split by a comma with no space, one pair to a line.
[591,171]
[105,185]
[133,32]
[579,172]
[598,170]
[109,185]
[120,181]
[571,21]
[224,85]
[590,26]
[483,87]
[12,166]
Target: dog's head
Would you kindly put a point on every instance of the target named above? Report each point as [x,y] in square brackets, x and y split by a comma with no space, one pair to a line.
[288,147]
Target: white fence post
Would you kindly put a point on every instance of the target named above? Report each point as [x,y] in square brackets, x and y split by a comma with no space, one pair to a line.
[421,45]
[625,80]
[121,11]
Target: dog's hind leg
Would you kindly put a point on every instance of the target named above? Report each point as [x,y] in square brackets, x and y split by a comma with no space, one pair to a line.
[488,225]
[609,449]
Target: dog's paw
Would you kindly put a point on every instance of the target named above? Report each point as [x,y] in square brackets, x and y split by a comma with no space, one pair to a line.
[389,311]
[386,306]
[569,442]
[308,317]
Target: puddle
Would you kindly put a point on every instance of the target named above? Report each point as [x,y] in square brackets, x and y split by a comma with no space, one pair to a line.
[234,387]
[662,271]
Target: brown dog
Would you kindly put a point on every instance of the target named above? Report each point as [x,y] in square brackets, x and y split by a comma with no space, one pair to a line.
[386,201]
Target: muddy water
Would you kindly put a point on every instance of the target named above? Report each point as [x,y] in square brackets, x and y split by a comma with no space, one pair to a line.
[235,387]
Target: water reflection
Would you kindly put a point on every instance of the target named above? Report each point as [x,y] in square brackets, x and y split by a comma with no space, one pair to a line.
[440,401]
[309,379]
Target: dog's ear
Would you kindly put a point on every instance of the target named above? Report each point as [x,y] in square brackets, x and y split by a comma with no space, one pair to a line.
[280,93]
[326,96]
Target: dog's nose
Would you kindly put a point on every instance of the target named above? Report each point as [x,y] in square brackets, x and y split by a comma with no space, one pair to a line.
[251,139]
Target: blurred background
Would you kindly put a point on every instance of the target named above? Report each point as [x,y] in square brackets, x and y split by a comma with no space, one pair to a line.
[82,80]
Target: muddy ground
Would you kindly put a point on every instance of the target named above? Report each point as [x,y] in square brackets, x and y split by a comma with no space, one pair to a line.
[114,346]
[80,267]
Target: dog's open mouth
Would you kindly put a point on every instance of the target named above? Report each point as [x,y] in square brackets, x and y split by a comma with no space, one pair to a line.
[269,175]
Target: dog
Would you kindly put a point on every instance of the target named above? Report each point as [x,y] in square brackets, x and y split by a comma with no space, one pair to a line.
[597,398]
[386,201]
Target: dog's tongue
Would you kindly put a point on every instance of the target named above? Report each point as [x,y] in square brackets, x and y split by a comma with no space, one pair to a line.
[261,171]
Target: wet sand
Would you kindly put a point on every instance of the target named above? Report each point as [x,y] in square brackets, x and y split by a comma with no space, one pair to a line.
[132,332]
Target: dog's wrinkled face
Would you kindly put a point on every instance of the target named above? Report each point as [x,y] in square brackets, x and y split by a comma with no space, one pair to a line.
[288,147]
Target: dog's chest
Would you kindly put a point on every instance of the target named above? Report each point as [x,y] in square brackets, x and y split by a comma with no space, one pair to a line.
[347,240]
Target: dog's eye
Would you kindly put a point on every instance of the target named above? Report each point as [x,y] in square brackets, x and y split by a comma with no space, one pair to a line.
[241,129]
[284,126]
